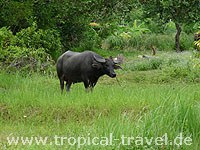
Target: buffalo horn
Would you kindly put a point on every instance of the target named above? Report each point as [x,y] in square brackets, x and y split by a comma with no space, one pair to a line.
[99,59]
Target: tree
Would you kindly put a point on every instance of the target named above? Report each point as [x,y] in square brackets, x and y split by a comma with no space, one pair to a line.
[15,14]
[179,11]
[70,18]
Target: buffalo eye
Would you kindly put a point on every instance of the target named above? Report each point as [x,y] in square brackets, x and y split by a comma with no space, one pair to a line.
[106,65]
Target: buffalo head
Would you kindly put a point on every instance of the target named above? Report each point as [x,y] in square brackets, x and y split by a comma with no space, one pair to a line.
[106,65]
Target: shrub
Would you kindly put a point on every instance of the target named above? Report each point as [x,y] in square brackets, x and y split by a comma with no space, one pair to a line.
[90,40]
[6,37]
[125,36]
[186,41]
[31,37]
[170,27]
[30,50]
[162,42]
[27,60]
[112,42]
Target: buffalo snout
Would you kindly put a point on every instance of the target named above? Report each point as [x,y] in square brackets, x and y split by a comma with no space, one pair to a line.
[113,75]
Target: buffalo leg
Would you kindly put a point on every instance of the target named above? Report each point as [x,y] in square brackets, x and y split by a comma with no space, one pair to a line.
[61,85]
[86,84]
[68,85]
[92,84]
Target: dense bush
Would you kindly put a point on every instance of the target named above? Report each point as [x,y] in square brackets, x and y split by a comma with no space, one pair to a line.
[170,27]
[186,41]
[27,60]
[30,50]
[90,40]
[162,42]
[6,37]
[32,37]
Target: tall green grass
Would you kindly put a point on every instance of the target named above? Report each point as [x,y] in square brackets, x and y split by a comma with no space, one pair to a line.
[33,106]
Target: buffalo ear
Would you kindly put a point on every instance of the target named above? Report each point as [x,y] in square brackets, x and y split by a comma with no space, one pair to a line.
[96,65]
[117,67]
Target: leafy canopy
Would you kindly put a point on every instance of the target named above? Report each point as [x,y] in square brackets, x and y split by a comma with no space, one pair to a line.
[179,11]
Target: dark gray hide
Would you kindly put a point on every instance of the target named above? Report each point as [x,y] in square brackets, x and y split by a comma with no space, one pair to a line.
[85,67]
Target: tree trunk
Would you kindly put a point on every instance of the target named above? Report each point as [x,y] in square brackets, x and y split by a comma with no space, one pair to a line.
[177,37]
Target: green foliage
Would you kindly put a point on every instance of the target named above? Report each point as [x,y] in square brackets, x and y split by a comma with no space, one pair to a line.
[141,42]
[16,14]
[138,37]
[125,36]
[154,26]
[112,42]
[186,41]
[162,42]
[30,50]
[27,60]
[72,18]
[31,37]
[179,12]
[170,27]
[6,37]
[90,40]
[69,18]
[196,26]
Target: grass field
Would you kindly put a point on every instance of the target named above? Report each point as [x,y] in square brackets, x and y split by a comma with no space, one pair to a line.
[33,106]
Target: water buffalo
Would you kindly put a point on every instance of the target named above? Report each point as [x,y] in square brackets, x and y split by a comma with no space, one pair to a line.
[85,67]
